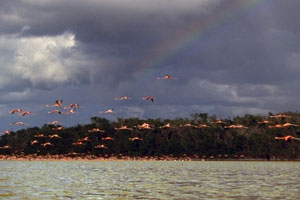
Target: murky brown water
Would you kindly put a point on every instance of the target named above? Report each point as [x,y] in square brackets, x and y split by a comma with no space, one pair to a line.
[149,180]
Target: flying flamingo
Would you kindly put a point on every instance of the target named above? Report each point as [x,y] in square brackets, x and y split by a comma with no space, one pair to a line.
[236,126]
[277,126]
[202,126]
[7,132]
[144,126]
[100,146]
[135,138]
[15,110]
[107,111]
[218,122]
[54,136]
[148,98]
[94,130]
[85,139]
[124,128]
[78,143]
[265,122]
[286,125]
[123,98]
[34,142]
[18,123]
[41,135]
[55,111]
[47,144]
[167,76]
[286,138]
[73,106]
[5,147]
[25,113]
[188,125]
[71,111]
[168,125]
[58,103]
[107,138]
[58,128]
[55,122]
[280,116]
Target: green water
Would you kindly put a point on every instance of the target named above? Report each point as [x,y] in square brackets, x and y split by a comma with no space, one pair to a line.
[149,180]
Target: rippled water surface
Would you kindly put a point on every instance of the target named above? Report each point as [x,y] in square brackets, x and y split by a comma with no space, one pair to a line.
[149,180]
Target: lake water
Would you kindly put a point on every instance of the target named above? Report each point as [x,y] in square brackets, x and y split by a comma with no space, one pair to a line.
[149,180]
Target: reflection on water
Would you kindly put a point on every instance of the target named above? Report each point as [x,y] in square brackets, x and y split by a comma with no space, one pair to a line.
[149,180]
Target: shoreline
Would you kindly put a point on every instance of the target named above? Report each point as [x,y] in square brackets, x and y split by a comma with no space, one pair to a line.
[125,158]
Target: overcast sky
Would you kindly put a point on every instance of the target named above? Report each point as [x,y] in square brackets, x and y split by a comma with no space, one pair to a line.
[231,57]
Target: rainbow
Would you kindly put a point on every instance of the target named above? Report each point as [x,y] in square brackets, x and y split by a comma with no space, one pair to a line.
[181,41]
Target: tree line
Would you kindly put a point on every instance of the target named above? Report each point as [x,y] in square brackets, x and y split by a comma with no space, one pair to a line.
[216,141]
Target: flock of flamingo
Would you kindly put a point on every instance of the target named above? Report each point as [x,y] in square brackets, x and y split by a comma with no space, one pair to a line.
[70,109]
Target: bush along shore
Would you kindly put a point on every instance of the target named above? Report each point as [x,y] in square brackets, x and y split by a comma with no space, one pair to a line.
[201,137]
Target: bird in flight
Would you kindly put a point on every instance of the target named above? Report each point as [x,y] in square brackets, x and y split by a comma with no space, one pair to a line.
[6,132]
[144,126]
[41,135]
[135,139]
[25,113]
[94,130]
[107,138]
[5,147]
[78,143]
[286,125]
[188,125]
[58,128]
[58,103]
[85,139]
[168,125]
[18,123]
[167,76]
[100,146]
[123,98]
[73,106]
[280,116]
[34,142]
[236,126]
[54,136]
[55,111]
[71,111]
[277,126]
[218,122]
[15,110]
[55,122]
[47,144]
[124,128]
[265,122]
[286,138]
[107,111]
[202,126]
[148,98]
